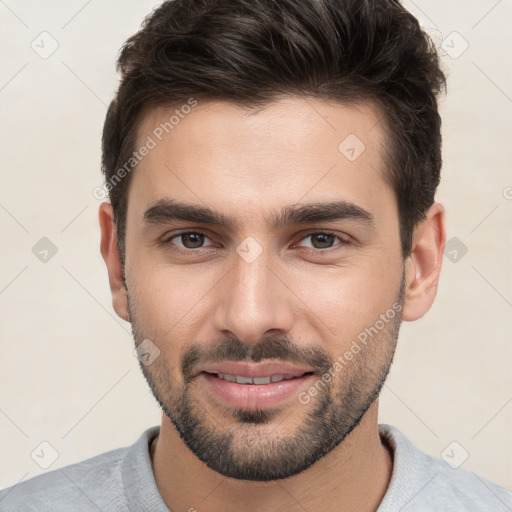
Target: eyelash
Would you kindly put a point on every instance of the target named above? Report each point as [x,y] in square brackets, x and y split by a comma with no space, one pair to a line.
[343,242]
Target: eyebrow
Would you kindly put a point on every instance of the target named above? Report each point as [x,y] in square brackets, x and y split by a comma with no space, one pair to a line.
[167,209]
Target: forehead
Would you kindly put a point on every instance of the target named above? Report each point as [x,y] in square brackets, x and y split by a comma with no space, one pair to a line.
[246,163]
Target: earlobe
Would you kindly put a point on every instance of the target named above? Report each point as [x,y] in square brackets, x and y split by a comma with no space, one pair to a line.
[423,266]
[110,252]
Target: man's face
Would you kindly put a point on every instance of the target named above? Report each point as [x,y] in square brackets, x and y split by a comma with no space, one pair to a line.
[300,291]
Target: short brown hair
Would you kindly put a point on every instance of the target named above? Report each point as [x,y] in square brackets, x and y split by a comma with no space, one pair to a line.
[251,52]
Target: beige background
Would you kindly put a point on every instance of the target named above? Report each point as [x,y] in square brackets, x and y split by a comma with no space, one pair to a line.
[67,372]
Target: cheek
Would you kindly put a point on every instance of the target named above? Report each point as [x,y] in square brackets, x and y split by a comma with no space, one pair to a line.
[168,299]
[347,299]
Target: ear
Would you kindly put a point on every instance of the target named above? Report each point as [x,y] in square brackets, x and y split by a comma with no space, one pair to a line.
[110,253]
[423,266]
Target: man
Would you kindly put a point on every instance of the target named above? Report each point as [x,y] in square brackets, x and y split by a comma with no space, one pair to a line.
[271,168]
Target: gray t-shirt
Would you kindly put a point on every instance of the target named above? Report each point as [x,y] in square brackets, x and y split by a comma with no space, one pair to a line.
[122,480]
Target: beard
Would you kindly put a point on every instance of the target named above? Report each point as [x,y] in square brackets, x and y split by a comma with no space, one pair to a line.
[254,448]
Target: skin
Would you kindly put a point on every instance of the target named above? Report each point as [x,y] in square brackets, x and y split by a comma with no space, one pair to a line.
[291,301]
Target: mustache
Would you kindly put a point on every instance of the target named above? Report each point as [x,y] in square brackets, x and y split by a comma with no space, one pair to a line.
[232,349]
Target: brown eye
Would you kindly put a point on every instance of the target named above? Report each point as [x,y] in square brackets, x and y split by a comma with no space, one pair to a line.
[192,240]
[189,240]
[324,240]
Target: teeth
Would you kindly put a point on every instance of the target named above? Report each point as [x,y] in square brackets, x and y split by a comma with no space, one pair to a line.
[262,380]
[244,380]
[253,380]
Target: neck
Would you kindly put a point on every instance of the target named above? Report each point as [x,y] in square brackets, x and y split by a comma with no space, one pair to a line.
[353,476]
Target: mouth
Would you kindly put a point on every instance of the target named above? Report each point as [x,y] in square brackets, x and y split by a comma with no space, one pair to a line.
[240,379]
[243,370]
[262,392]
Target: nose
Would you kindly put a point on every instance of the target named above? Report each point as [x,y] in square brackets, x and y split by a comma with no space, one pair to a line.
[254,300]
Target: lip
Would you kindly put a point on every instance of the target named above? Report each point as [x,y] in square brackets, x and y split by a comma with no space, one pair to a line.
[253,396]
[254,369]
